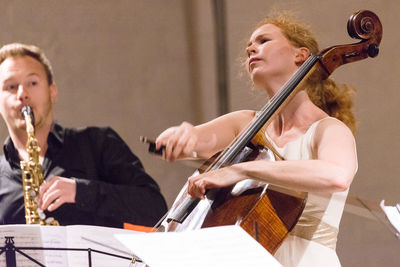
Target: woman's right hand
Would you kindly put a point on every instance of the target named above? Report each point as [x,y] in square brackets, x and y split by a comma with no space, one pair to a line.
[204,140]
[179,141]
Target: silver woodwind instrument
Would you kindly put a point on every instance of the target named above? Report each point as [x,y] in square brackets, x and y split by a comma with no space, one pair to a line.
[32,176]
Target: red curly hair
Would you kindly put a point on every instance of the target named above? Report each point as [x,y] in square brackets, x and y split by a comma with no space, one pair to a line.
[335,100]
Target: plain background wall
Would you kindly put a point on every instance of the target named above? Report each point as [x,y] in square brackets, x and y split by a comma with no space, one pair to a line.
[141,66]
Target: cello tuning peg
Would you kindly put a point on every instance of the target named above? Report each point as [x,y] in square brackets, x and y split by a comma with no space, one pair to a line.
[373,50]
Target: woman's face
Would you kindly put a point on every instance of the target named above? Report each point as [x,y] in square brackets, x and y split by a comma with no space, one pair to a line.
[271,58]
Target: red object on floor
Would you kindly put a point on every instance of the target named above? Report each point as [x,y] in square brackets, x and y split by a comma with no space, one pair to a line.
[139,228]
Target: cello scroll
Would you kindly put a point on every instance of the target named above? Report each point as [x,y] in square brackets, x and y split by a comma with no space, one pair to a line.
[364,25]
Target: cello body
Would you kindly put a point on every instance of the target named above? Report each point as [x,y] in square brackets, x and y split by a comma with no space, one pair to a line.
[266,212]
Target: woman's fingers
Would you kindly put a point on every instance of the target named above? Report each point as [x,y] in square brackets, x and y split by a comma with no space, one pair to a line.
[179,141]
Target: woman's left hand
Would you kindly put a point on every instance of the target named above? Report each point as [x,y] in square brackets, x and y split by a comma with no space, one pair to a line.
[198,185]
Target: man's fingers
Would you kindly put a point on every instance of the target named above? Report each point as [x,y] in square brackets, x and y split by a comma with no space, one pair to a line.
[55,204]
[48,198]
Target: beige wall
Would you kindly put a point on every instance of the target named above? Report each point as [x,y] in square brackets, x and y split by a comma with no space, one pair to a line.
[143,65]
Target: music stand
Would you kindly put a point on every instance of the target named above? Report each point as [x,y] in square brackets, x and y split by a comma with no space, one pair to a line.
[378,212]
[10,249]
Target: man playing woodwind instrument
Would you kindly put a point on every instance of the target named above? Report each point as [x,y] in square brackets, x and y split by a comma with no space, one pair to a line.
[91,176]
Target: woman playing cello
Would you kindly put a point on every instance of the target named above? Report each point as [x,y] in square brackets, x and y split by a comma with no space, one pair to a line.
[313,133]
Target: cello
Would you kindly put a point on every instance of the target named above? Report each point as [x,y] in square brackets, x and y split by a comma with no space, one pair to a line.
[265,212]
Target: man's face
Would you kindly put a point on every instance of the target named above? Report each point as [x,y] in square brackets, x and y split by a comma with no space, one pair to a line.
[23,82]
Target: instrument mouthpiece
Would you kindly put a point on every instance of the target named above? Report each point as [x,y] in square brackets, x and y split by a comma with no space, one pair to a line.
[27,111]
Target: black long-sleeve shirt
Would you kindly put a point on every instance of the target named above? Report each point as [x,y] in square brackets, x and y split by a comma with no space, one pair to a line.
[111,184]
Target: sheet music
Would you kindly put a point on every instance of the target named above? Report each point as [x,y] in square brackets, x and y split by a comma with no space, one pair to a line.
[215,246]
[77,236]
[53,237]
[99,238]
[32,236]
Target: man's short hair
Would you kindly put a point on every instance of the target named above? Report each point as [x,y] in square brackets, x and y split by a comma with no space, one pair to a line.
[20,50]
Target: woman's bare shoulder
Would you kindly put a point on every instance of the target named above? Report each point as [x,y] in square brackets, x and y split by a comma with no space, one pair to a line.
[332,122]
[332,128]
[241,118]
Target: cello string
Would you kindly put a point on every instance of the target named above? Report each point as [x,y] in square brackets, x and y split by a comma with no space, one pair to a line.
[232,151]
[267,112]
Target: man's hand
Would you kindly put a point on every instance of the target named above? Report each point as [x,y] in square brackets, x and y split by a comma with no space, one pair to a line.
[57,191]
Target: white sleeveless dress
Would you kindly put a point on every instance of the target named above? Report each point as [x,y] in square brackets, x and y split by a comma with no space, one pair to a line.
[312,242]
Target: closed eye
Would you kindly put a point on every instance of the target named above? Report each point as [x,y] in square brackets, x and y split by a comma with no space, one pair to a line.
[264,40]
